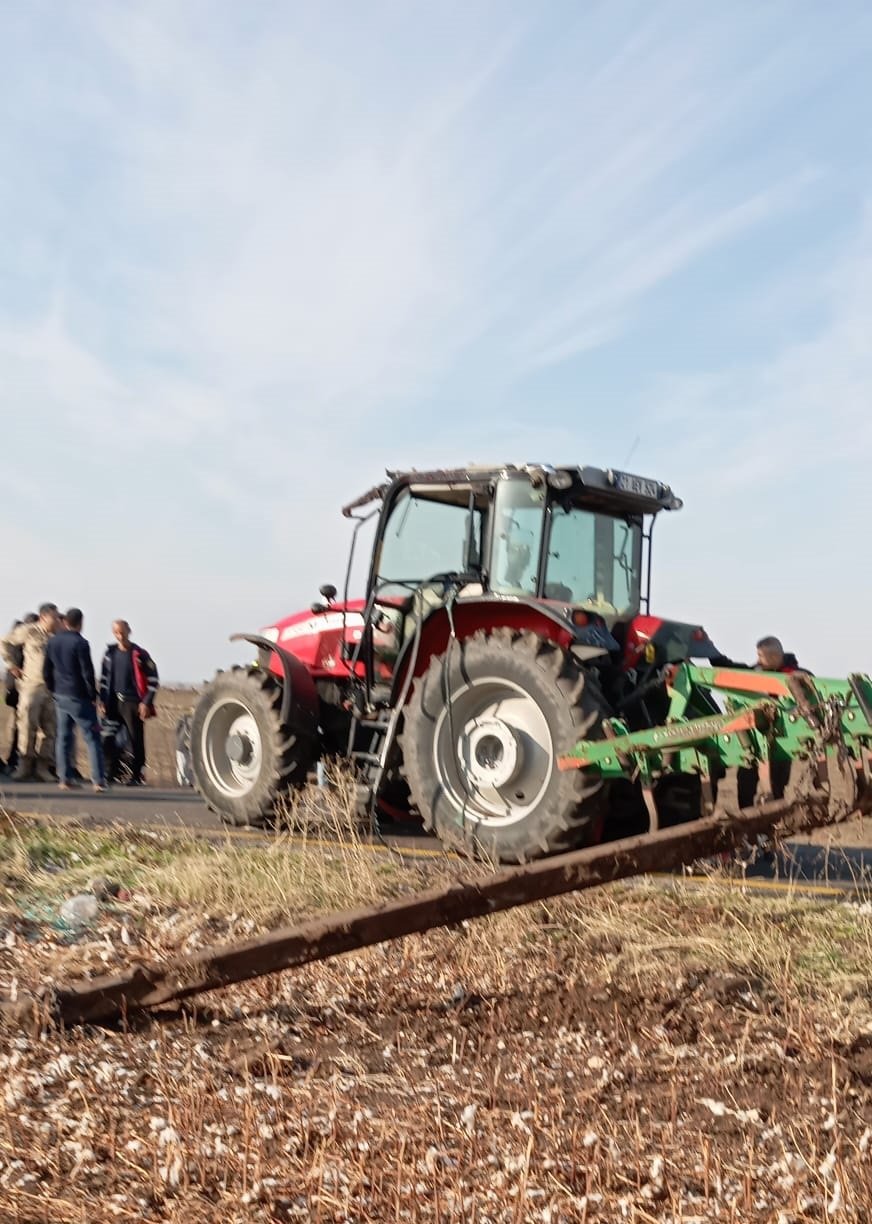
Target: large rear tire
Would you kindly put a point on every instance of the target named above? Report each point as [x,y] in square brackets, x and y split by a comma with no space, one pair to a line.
[482,733]
[242,757]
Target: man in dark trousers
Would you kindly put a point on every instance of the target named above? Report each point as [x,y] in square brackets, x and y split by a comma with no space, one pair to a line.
[128,684]
[12,694]
[69,677]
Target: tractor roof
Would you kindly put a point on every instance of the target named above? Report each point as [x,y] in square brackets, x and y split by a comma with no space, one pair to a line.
[605,489]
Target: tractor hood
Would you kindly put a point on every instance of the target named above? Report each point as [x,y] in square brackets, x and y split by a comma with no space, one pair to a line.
[316,638]
[304,624]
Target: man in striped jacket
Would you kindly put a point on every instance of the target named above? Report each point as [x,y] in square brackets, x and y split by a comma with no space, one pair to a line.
[128,684]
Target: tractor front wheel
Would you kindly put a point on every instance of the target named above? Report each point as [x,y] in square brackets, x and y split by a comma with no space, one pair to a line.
[242,757]
[482,733]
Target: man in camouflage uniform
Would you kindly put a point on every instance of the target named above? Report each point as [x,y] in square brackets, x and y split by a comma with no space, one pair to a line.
[36,714]
[10,694]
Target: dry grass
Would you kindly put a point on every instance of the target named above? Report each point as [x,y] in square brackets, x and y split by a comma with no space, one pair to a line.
[642,1053]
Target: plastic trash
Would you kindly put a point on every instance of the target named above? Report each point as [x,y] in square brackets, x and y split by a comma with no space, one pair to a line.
[80,910]
[103,889]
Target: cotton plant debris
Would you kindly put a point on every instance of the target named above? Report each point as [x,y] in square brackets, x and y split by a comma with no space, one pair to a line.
[646,1053]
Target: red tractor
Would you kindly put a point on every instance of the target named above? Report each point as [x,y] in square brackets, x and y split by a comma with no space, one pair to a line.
[506,616]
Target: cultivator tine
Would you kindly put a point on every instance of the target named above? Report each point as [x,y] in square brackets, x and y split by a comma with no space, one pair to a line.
[727,795]
[806,696]
[651,807]
[861,687]
[763,791]
[842,783]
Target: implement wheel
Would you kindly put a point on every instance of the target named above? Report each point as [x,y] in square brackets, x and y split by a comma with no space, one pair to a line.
[482,733]
[241,756]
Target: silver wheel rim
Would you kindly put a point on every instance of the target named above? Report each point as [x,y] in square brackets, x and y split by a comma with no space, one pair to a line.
[232,749]
[493,752]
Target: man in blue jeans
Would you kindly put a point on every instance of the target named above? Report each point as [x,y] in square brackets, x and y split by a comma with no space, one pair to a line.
[69,677]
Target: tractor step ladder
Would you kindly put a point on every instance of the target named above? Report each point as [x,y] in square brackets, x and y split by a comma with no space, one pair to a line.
[377,733]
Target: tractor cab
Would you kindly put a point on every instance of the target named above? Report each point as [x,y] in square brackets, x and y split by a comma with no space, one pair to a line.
[569,545]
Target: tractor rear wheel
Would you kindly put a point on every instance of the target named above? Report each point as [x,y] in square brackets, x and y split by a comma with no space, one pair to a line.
[242,757]
[482,733]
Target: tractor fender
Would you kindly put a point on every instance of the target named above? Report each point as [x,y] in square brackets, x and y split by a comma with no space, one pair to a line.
[300,706]
[469,615]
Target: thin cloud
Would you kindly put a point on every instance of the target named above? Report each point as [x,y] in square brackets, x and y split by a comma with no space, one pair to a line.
[806,403]
[254,254]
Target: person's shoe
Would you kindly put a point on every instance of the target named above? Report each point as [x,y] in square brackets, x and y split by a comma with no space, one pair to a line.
[24,772]
[134,782]
[44,772]
[99,788]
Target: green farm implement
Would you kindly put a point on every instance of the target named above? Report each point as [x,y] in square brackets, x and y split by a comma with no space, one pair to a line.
[747,737]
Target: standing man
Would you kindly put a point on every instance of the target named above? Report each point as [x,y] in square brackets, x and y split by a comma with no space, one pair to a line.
[69,676]
[128,683]
[24,654]
[11,692]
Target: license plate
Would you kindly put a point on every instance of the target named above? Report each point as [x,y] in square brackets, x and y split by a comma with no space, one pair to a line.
[637,484]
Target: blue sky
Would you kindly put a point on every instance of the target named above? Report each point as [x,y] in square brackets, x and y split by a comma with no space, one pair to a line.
[252,254]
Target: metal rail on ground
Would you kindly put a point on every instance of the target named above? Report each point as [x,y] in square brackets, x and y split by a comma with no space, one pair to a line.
[111,998]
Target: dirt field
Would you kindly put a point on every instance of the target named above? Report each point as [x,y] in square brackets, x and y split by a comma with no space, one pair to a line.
[637,1055]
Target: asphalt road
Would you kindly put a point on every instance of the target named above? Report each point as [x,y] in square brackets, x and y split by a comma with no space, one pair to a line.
[153,808]
[133,805]
[843,868]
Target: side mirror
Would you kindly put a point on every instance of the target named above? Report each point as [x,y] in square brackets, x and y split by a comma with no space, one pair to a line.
[328,591]
[317,607]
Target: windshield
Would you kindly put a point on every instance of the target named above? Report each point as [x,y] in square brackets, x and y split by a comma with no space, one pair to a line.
[594,560]
[423,538]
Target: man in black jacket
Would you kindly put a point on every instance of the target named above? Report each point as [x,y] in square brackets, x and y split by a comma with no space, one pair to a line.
[771,656]
[128,683]
[69,676]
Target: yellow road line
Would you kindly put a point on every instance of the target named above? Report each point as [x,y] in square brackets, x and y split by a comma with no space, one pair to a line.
[761,884]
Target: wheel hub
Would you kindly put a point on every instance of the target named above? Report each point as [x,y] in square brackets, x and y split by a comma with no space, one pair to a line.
[492,752]
[232,748]
[240,749]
